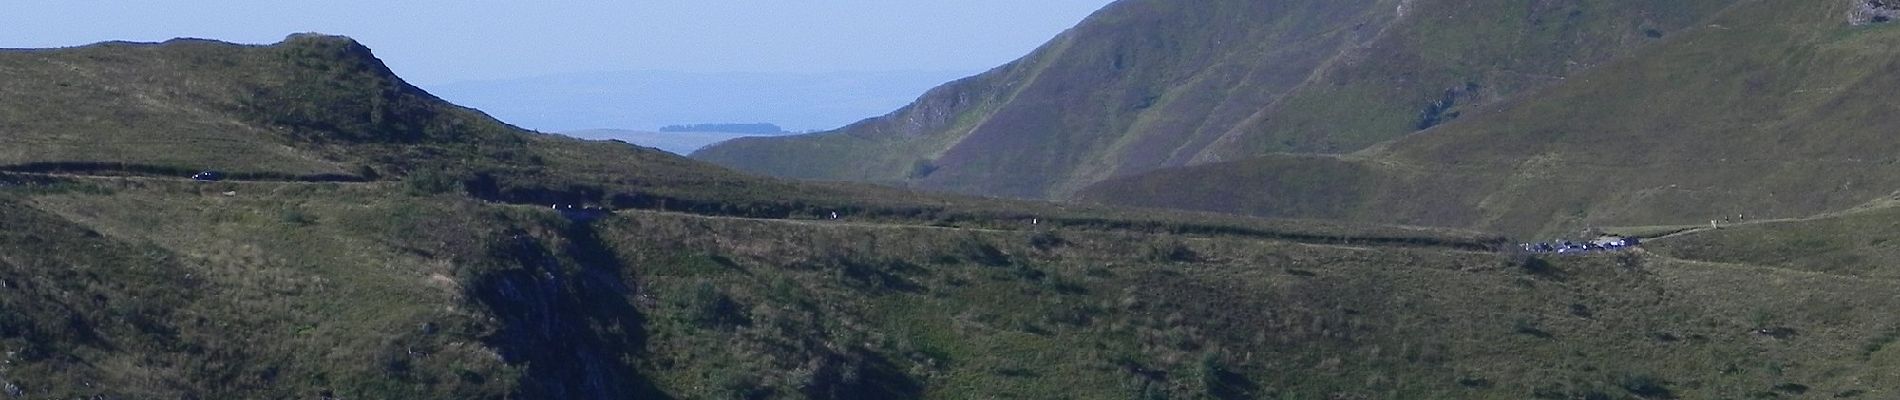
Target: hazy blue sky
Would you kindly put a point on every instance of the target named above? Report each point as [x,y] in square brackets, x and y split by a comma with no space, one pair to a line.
[439,41]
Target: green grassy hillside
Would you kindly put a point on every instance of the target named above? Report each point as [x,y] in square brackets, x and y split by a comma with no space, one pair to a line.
[1147,84]
[310,105]
[1776,109]
[323,108]
[1446,60]
[446,275]
[1854,243]
[369,291]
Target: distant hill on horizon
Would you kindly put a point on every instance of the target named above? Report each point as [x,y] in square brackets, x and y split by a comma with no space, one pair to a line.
[649,100]
[676,142]
[755,128]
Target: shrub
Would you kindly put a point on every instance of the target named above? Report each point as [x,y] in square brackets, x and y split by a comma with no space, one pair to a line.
[708,307]
[1211,371]
[368,173]
[1792,388]
[1526,327]
[974,250]
[296,217]
[1045,240]
[1580,311]
[885,274]
[732,383]
[922,169]
[1540,268]
[1171,251]
[430,181]
[1645,386]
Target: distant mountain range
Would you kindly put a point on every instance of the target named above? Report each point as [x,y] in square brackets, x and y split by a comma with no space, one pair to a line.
[648,100]
[755,128]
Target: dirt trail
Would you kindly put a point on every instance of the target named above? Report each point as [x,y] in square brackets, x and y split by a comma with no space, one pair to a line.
[1816,217]
[1792,271]
[1700,229]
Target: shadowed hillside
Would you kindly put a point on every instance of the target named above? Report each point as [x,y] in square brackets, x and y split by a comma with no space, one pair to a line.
[1776,109]
[1148,84]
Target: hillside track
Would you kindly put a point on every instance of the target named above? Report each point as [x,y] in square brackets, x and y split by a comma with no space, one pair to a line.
[1770,221]
[1354,244]
[138,177]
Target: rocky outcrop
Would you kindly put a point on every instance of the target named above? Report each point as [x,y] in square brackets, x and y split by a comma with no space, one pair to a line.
[1874,11]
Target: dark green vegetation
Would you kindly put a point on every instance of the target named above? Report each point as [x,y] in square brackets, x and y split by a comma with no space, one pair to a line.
[1774,109]
[145,288]
[1150,84]
[438,271]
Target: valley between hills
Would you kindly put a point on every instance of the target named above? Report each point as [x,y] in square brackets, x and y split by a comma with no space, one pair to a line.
[366,239]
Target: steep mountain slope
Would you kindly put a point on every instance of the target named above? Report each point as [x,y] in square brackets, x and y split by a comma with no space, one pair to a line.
[1777,109]
[1147,84]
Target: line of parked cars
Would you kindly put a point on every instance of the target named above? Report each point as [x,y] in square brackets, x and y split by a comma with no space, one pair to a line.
[1607,243]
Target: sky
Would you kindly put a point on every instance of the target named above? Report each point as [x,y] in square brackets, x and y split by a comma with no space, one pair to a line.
[441,41]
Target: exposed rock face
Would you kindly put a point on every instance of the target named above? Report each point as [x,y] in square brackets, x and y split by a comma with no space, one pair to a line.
[1874,11]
